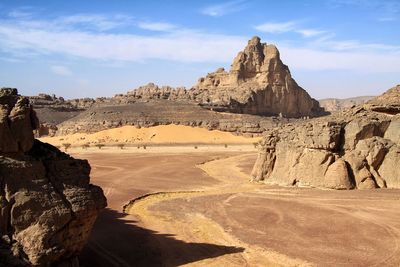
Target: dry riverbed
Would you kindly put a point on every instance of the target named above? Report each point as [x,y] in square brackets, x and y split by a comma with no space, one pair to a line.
[200,209]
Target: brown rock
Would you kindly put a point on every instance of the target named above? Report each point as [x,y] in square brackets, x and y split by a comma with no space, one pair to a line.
[357,148]
[257,83]
[47,205]
[337,176]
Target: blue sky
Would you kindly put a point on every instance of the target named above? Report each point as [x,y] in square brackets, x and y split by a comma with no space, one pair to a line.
[334,48]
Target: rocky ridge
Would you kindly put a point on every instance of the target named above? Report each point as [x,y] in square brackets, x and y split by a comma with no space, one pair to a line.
[257,84]
[336,104]
[47,204]
[357,148]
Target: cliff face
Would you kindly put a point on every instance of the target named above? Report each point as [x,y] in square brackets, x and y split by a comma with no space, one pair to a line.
[47,205]
[357,148]
[257,83]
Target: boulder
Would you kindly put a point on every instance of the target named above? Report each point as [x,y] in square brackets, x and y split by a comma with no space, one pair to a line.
[47,204]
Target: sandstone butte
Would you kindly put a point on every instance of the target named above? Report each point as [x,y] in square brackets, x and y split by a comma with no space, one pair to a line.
[258,83]
[358,148]
[47,204]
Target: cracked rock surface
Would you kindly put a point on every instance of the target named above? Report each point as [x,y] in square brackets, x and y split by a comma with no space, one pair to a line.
[47,204]
[357,148]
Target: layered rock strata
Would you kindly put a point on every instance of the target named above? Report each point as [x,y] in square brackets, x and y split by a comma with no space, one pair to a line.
[257,83]
[47,204]
[357,148]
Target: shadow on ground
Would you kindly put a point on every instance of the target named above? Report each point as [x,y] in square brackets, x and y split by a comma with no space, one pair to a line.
[118,241]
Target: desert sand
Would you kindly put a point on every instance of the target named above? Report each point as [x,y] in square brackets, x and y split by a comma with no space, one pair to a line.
[163,134]
[200,209]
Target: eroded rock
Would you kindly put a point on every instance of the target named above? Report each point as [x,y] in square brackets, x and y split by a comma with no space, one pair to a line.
[356,148]
[47,204]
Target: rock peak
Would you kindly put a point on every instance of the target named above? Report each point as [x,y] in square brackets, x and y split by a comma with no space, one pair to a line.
[254,41]
[257,83]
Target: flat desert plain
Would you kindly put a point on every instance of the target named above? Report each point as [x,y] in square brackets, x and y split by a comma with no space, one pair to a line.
[201,209]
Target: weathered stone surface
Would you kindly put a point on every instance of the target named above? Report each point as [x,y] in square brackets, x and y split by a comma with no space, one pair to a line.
[47,205]
[257,83]
[356,148]
[337,176]
[389,102]
[17,122]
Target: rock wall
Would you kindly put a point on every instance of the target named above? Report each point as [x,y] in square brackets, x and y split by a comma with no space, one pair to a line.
[357,148]
[47,204]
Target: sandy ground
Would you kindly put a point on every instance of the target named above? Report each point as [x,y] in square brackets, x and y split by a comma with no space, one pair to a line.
[200,209]
[163,134]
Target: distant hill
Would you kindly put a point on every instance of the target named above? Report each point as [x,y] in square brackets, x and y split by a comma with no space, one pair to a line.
[336,104]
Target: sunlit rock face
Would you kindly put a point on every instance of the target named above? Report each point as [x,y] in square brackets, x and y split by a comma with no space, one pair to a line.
[257,83]
[356,148]
[47,204]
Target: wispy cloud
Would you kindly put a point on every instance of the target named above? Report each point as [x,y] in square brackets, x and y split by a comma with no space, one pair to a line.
[157,26]
[37,37]
[384,9]
[277,27]
[224,8]
[184,46]
[287,26]
[61,70]
[94,21]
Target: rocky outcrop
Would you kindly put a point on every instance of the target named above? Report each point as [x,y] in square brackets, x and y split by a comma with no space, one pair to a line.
[356,148]
[388,103]
[164,112]
[47,205]
[336,104]
[257,83]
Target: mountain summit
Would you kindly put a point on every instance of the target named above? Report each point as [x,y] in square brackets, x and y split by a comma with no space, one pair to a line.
[257,83]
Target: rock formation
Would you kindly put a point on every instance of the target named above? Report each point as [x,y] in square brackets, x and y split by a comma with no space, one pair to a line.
[257,83]
[356,148]
[47,205]
[336,104]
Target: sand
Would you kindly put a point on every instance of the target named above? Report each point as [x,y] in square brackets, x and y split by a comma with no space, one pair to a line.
[163,134]
[201,210]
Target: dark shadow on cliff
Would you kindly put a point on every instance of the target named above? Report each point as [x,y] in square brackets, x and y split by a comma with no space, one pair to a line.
[118,241]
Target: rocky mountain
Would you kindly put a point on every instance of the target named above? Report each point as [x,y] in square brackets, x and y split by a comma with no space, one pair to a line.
[355,148]
[47,204]
[336,104]
[257,83]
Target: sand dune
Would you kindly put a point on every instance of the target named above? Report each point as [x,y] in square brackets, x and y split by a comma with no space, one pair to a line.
[163,134]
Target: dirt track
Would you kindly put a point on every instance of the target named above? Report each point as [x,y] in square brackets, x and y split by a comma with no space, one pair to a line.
[211,215]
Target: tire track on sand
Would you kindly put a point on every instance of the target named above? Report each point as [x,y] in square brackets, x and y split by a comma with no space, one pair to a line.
[196,228]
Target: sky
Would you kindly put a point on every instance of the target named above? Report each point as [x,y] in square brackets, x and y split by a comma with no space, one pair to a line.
[74,49]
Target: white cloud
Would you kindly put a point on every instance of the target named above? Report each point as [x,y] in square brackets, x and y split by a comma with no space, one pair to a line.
[61,70]
[313,59]
[385,19]
[224,8]
[288,26]
[95,21]
[188,46]
[310,32]
[178,46]
[157,26]
[273,27]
